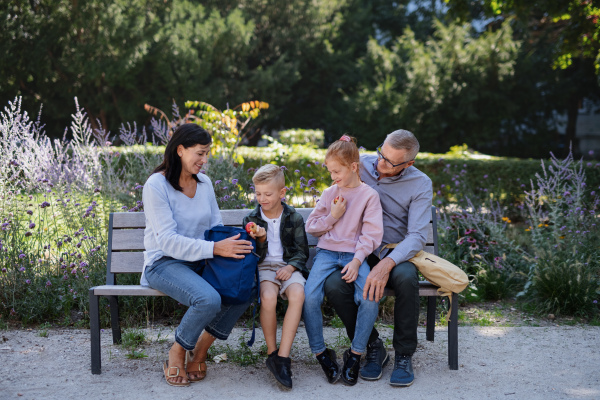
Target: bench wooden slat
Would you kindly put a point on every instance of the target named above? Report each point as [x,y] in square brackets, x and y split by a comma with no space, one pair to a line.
[126,290]
[129,220]
[127,262]
[128,239]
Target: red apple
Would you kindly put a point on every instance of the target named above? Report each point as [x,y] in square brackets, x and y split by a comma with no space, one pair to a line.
[251,227]
[336,200]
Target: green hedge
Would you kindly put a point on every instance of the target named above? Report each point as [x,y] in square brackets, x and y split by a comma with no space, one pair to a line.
[500,178]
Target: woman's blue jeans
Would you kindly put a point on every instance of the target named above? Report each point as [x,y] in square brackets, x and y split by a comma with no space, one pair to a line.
[325,263]
[181,281]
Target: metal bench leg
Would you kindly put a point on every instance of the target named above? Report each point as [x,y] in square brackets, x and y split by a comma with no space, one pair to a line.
[114,319]
[95,333]
[453,334]
[431,304]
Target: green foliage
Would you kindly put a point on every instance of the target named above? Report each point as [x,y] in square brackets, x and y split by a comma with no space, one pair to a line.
[363,67]
[564,276]
[454,85]
[309,137]
[132,338]
[241,354]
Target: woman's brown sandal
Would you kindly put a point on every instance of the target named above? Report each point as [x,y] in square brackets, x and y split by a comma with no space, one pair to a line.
[195,367]
[169,375]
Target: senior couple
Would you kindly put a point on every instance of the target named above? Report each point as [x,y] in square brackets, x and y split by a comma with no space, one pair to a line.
[180,204]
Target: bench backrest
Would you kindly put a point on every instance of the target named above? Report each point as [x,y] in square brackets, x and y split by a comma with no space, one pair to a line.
[126,239]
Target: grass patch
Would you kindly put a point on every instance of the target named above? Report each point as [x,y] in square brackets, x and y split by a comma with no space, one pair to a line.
[43,330]
[241,354]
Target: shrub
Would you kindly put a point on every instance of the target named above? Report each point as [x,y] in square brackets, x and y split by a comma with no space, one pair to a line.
[562,211]
[308,137]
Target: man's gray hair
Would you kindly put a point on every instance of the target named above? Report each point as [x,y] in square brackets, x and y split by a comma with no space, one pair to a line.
[403,140]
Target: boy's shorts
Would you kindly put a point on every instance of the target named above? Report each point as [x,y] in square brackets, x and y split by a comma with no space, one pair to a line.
[267,271]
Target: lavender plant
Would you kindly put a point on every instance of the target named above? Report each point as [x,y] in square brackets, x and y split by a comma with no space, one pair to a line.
[564,274]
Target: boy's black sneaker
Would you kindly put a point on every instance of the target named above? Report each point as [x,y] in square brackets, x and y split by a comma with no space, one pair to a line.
[328,361]
[281,368]
[350,368]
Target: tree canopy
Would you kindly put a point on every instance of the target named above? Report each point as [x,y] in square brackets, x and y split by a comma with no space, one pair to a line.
[489,73]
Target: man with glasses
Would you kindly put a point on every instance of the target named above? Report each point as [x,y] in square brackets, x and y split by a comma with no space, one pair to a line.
[405,194]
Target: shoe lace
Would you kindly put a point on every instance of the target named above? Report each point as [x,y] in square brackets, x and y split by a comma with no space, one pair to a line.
[402,362]
[372,353]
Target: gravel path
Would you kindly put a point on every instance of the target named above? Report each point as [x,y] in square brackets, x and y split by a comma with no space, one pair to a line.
[495,363]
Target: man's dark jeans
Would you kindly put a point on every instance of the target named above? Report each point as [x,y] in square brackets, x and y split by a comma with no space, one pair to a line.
[404,281]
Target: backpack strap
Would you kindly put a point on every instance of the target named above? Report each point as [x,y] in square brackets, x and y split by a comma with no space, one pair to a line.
[256,304]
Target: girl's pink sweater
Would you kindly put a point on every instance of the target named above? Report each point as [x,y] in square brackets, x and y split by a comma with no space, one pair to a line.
[358,231]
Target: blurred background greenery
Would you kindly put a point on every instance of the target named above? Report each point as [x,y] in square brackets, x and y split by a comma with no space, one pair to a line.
[502,76]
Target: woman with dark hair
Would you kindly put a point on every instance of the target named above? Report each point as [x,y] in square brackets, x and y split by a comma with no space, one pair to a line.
[180,204]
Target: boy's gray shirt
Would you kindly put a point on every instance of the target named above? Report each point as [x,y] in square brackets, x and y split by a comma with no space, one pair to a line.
[406,203]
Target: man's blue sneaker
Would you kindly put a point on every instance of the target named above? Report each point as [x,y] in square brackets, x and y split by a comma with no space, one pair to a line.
[376,358]
[403,374]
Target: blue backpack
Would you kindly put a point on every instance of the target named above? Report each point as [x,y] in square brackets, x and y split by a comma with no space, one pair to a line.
[234,279]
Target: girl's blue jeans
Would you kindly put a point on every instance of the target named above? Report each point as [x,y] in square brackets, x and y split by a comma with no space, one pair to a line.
[325,263]
[181,281]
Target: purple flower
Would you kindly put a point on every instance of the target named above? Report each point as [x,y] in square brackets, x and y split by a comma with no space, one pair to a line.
[83,264]
[29,212]
[3,269]
[27,281]
[21,256]
[138,187]
[297,171]
[567,193]
[234,181]
[218,181]
[283,168]
[485,176]
[595,301]
[124,208]
[48,283]
[44,204]
[86,277]
[27,234]
[31,225]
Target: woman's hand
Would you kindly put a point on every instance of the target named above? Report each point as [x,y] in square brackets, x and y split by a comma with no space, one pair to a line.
[350,271]
[232,247]
[338,207]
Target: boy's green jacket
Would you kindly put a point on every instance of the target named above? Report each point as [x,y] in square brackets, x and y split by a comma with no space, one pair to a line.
[293,237]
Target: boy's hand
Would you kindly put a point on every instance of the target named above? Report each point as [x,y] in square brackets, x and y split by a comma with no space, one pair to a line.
[350,271]
[259,233]
[285,273]
[338,207]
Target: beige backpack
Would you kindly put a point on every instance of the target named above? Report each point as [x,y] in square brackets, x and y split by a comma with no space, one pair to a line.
[440,272]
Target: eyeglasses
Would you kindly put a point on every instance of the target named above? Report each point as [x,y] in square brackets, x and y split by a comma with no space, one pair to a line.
[389,163]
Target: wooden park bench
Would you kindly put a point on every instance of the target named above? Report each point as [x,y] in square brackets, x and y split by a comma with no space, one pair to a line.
[125,256]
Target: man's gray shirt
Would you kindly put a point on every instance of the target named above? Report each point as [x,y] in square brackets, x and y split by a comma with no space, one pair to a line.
[406,203]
